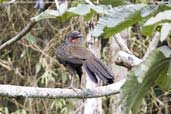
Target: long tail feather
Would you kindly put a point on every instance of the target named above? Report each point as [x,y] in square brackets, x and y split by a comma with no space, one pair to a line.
[96,67]
[90,73]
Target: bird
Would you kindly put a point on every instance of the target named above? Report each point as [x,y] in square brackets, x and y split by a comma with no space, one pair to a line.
[74,56]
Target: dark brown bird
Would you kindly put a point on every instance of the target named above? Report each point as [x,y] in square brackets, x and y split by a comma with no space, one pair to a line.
[73,55]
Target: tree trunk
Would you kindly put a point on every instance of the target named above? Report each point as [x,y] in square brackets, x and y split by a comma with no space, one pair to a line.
[119,72]
[93,105]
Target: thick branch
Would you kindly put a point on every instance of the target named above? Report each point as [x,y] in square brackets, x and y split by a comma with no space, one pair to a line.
[121,43]
[127,60]
[36,92]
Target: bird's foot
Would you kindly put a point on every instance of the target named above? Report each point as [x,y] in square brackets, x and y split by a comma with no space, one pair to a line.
[71,87]
[80,88]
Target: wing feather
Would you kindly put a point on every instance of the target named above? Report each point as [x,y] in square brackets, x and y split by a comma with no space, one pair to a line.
[78,51]
[77,54]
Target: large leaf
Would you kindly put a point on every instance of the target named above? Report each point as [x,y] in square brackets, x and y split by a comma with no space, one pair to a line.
[153,22]
[51,13]
[148,10]
[164,78]
[162,16]
[81,9]
[141,78]
[64,13]
[165,31]
[117,19]
[113,2]
[113,20]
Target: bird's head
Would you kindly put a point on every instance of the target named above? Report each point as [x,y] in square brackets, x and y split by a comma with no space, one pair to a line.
[74,37]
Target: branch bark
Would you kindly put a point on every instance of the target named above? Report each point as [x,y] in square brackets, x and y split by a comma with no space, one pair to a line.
[121,43]
[127,60]
[37,92]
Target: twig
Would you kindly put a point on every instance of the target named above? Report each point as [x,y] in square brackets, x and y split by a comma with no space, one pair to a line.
[18,36]
[23,32]
[36,92]
[121,43]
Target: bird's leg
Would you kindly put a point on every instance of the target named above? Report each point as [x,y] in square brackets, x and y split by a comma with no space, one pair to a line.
[72,73]
[79,72]
[100,82]
[72,82]
[80,82]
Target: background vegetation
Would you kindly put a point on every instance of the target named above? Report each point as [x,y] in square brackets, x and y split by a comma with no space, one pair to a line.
[31,62]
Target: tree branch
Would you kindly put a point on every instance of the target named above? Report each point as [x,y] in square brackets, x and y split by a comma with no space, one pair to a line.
[128,60]
[24,31]
[37,92]
[121,43]
[18,36]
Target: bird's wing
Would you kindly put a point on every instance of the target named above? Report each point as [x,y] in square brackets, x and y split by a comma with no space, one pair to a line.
[77,53]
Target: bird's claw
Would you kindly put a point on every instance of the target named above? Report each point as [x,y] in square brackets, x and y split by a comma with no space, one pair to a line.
[71,87]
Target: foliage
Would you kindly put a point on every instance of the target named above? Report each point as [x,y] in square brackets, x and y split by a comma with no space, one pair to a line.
[154,70]
[2,1]
[113,20]
[30,62]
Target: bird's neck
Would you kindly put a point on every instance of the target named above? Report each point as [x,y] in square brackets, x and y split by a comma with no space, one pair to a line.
[67,42]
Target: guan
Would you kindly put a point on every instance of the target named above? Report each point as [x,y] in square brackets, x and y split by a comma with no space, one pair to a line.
[73,55]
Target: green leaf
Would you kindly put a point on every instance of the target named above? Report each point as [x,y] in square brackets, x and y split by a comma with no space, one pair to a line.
[46,77]
[1,1]
[153,22]
[148,10]
[64,77]
[64,110]
[160,17]
[165,31]
[6,110]
[113,2]
[51,13]
[141,78]
[169,70]
[117,19]
[84,9]
[30,38]
[38,67]
[166,51]
[164,79]
[24,52]
[149,30]
[81,9]
[63,13]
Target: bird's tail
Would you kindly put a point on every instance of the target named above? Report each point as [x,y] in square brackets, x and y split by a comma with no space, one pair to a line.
[94,67]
